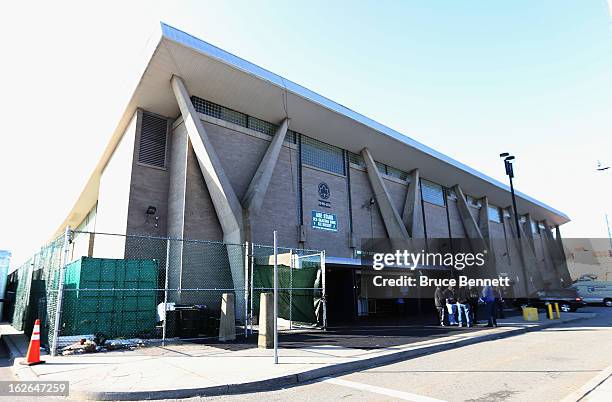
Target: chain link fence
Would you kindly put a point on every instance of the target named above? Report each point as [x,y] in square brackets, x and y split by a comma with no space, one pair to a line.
[116,291]
[301,279]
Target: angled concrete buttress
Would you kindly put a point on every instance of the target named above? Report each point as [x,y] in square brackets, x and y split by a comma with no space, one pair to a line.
[254,196]
[470,226]
[224,199]
[391,218]
[555,249]
[483,220]
[562,269]
[529,232]
[484,226]
[412,214]
[528,258]
[478,242]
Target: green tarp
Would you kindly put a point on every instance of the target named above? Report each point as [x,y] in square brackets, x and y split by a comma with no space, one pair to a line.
[304,295]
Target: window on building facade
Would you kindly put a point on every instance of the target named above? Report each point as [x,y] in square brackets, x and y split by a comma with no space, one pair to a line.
[494,213]
[398,174]
[262,126]
[432,192]
[534,227]
[291,136]
[321,155]
[356,159]
[217,111]
[475,202]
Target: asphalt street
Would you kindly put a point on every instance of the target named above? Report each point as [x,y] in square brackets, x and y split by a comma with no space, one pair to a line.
[545,365]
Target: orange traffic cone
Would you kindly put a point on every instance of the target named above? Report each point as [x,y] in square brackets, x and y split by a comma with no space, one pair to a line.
[33,356]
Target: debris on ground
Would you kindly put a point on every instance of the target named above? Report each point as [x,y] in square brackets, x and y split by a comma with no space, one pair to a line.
[80,347]
[100,344]
[115,344]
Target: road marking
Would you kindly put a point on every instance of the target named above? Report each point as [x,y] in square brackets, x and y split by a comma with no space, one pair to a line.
[406,396]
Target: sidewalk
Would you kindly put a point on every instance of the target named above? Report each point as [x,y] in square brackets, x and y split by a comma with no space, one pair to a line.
[185,370]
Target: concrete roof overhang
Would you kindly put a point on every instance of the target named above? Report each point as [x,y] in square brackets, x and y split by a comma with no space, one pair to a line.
[216,75]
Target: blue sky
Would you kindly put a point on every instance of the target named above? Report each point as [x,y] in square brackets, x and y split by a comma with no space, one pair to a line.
[470,79]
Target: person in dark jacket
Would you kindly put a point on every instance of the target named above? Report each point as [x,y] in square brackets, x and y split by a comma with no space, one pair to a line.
[474,298]
[499,302]
[463,306]
[451,305]
[440,302]
[488,297]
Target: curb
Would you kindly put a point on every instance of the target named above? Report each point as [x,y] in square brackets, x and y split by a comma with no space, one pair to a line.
[275,383]
[591,385]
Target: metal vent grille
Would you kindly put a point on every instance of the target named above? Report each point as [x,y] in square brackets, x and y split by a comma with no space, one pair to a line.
[152,148]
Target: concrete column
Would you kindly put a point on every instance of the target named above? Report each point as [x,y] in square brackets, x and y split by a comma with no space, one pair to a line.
[179,148]
[226,203]
[227,322]
[266,321]
[391,218]
[412,214]
[254,196]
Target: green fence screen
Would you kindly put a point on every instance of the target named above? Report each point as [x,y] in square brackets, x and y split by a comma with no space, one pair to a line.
[298,288]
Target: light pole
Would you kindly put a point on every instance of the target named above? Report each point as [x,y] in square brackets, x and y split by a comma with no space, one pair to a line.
[601,168]
[510,173]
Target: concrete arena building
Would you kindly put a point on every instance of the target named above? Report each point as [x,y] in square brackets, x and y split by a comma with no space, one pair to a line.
[226,150]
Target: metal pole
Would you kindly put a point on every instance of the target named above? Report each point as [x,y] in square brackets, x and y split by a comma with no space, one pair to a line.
[166,292]
[609,233]
[291,289]
[246,288]
[516,218]
[275,300]
[252,263]
[510,173]
[60,292]
[323,293]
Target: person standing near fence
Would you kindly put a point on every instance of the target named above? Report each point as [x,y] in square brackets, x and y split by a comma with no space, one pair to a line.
[474,302]
[488,297]
[440,302]
[451,305]
[463,306]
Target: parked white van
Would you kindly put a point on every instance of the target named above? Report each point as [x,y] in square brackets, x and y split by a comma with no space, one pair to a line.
[593,291]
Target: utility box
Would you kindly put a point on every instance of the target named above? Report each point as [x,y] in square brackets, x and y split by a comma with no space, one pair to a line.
[113,297]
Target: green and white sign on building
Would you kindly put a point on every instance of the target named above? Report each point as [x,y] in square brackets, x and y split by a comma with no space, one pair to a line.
[324,221]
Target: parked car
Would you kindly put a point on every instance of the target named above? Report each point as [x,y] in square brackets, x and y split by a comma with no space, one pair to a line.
[568,299]
[593,291]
